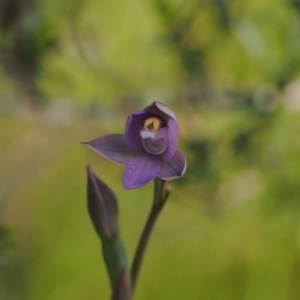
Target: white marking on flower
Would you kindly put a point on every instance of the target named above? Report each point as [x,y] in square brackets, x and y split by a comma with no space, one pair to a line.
[145,134]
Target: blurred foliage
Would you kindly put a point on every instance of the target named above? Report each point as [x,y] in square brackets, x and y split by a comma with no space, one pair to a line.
[5,244]
[25,38]
[229,69]
[180,52]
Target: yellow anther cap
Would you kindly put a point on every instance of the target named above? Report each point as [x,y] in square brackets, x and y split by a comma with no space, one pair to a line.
[153,124]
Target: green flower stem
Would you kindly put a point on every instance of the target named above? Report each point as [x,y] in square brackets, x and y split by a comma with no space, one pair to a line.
[161,193]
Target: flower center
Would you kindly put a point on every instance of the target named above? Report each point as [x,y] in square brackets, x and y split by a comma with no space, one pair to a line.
[154,135]
[153,124]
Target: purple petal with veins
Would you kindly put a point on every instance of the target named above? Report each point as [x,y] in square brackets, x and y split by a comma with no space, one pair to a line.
[113,147]
[140,170]
[155,142]
[134,125]
[174,168]
[173,139]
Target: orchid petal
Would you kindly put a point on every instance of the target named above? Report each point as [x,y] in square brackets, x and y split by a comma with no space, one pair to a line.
[173,139]
[112,147]
[155,142]
[134,125]
[140,170]
[174,168]
[157,108]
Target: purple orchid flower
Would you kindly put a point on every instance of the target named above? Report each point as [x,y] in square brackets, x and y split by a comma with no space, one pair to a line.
[148,148]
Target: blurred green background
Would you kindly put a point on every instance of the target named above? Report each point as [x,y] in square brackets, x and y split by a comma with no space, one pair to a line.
[73,70]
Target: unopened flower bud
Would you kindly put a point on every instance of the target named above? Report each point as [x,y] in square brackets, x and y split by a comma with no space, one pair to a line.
[102,206]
